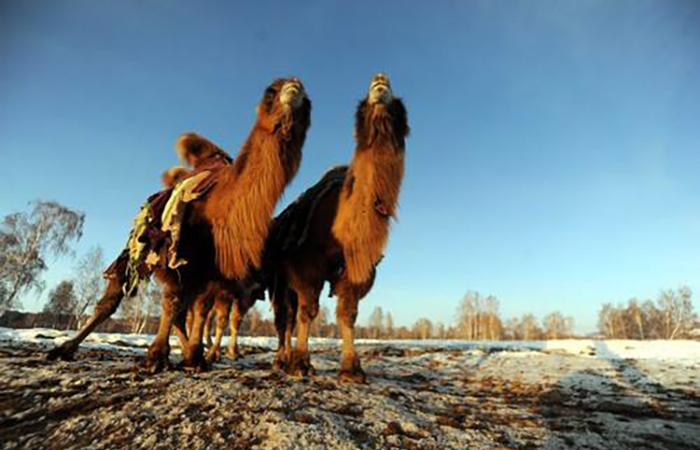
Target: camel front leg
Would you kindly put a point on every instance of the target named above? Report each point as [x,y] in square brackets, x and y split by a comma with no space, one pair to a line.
[104,309]
[158,354]
[306,313]
[189,318]
[180,328]
[346,315]
[284,320]
[207,326]
[221,310]
[235,323]
[292,308]
[193,354]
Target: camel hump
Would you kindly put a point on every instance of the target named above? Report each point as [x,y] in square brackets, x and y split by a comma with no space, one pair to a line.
[290,229]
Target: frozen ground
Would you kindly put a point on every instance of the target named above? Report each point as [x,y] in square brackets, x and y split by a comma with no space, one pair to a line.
[421,395]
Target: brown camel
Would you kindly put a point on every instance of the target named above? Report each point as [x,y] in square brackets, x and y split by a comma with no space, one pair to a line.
[228,310]
[336,232]
[223,233]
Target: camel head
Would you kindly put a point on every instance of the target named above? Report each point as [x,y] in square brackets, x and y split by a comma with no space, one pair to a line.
[381,116]
[284,102]
[379,90]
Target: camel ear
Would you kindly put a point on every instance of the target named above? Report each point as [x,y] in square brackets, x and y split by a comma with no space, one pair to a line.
[257,110]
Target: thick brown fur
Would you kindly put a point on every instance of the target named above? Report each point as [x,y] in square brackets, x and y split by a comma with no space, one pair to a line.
[173,176]
[227,311]
[223,233]
[336,232]
[193,148]
[370,194]
[224,237]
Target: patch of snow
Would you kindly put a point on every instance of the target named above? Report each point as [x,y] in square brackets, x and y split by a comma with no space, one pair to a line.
[679,351]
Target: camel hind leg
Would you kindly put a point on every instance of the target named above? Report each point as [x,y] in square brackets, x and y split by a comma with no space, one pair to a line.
[158,354]
[235,323]
[346,315]
[193,354]
[221,310]
[208,326]
[285,309]
[104,309]
[239,308]
[349,296]
[180,327]
[308,298]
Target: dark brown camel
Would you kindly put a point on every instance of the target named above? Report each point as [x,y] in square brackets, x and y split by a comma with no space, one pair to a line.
[336,232]
[229,310]
[224,233]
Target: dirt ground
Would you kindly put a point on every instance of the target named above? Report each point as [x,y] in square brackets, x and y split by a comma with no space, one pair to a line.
[416,398]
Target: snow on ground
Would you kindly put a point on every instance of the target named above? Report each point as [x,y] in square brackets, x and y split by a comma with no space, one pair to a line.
[421,395]
[680,351]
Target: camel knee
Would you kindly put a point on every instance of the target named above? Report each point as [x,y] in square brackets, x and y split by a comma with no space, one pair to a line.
[221,320]
[172,304]
[346,312]
[308,312]
[109,303]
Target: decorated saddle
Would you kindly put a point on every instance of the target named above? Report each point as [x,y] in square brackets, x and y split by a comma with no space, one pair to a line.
[153,240]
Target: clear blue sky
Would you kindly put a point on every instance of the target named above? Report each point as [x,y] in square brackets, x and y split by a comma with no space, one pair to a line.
[553,161]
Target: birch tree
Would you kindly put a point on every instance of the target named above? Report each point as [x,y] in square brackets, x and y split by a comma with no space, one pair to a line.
[27,240]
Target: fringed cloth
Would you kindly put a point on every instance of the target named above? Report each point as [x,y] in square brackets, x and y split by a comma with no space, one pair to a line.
[134,264]
[155,236]
[174,213]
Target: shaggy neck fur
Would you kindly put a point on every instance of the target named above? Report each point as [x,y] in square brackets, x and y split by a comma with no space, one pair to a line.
[370,193]
[244,199]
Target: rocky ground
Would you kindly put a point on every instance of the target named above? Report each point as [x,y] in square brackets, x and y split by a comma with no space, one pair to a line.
[419,397]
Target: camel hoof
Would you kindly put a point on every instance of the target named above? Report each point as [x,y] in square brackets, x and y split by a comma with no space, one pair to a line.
[232,355]
[356,376]
[213,357]
[157,360]
[196,366]
[195,360]
[153,366]
[301,367]
[279,365]
[64,352]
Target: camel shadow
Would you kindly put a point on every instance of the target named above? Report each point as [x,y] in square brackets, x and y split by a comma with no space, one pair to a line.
[616,404]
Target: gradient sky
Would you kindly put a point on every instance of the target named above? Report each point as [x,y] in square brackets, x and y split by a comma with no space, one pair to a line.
[554,153]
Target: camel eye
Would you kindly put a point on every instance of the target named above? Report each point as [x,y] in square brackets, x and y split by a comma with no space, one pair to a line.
[270,94]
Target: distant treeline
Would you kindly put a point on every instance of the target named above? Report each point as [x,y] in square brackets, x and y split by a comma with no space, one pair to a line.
[670,316]
[29,239]
[20,319]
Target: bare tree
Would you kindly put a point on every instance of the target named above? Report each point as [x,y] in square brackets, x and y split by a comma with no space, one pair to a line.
[139,308]
[467,315]
[492,327]
[376,322]
[556,326]
[320,324]
[389,326]
[27,240]
[423,328]
[677,309]
[88,281]
[478,317]
[606,322]
[670,317]
[635,314]
[62,301]
[253,322]
[440,331]
[150,295]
